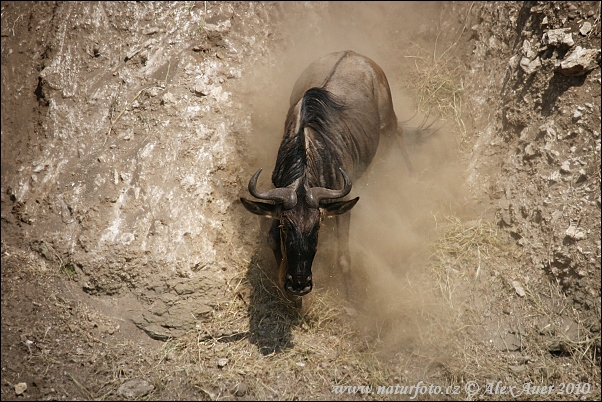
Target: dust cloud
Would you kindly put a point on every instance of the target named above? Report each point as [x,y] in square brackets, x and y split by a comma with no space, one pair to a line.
[393,225]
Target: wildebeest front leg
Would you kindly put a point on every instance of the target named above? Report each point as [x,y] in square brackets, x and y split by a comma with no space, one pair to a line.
[343,257]
[274,242]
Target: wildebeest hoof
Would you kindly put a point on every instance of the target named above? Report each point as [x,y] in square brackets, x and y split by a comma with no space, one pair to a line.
[344,264]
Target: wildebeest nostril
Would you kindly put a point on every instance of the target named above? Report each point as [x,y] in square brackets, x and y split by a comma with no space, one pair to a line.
[299,281]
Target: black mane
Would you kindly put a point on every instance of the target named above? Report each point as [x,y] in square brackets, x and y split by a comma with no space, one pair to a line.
[320,112]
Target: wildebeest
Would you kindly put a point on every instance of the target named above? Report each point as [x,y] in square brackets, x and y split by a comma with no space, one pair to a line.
[340,106]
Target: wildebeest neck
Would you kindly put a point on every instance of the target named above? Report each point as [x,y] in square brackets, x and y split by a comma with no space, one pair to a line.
[311,147]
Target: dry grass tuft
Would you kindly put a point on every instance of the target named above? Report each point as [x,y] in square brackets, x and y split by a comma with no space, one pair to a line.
[440,89]
[499,335]
[437,83]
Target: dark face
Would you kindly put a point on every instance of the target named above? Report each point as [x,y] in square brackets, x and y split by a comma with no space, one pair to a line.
[294,239]
[299,235]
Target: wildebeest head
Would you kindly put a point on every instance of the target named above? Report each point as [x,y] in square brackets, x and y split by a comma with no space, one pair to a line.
[299,211]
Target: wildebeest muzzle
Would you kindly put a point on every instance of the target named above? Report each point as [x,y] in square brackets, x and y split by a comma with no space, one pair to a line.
[298,285]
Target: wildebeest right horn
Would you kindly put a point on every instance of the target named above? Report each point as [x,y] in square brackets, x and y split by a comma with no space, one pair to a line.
[316,194]
[285,195]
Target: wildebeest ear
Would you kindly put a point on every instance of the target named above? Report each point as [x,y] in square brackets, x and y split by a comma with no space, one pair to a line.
[339,207]
[262,208]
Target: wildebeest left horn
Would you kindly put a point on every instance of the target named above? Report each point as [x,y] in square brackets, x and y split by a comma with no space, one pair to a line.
[285,195]
[316,194]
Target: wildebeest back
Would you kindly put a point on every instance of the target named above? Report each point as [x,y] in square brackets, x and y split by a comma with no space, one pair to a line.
[360,85]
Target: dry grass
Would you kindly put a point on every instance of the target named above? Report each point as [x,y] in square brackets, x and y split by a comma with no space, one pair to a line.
[459,246]
[272,347]
[440,88]
[474,276]
[437,82]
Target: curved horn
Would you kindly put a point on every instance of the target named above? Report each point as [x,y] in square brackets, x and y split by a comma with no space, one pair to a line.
[284,195]
[316,194]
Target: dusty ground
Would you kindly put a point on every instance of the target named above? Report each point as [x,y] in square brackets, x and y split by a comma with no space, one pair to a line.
[131,271]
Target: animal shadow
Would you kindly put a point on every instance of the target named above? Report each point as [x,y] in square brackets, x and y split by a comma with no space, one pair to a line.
[271,315]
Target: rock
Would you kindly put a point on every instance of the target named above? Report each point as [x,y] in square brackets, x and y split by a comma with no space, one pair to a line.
[132,53]
[185,288]
[240,389]
[203,47]
[582,176]
[201,309]
[518,288]
[20,388]
[565,167]
[554,177]
[530,151]
[528,66]
[134,389]
[585,28]
[222,26]
[168,98]
[577,115]
[517,369]
[558,37]
[580,61]
[151,30]
[573,232]
[351,312]
[506,217]
[179,317]
[201,90]
[155,331]
[527,51]
[507,342]
[158,307]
